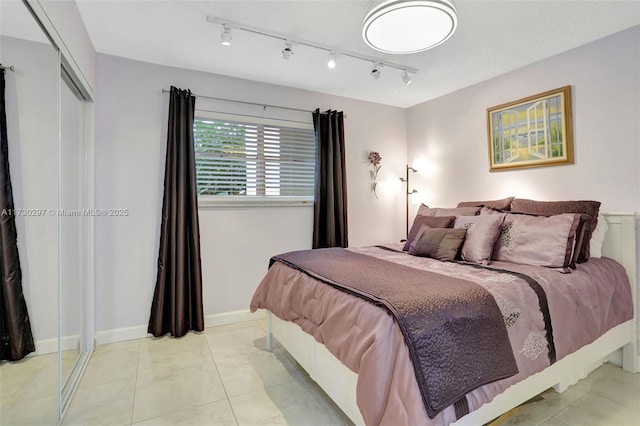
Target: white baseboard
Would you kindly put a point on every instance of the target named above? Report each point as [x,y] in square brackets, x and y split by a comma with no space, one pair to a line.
[138,332]
[48,346]
[121,334]
[45,346]
[233,317]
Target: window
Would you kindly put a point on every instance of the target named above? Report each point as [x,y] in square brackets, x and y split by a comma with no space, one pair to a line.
[245,162]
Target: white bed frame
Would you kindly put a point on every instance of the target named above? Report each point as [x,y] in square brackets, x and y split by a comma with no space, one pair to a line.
[339,383]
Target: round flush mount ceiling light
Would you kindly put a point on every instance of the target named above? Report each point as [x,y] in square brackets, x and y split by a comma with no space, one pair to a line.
[408,26]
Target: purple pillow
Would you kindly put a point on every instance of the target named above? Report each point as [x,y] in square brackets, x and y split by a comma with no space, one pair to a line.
[584,228]
[503,204]
[550,208]
[538,240]
[482,234]
[425,210]
[438,243]
[431,221]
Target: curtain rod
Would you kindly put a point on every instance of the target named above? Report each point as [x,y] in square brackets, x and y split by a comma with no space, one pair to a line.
[9,68]
[264,106]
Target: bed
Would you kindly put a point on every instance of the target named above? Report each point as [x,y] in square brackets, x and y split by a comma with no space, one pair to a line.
[333,338]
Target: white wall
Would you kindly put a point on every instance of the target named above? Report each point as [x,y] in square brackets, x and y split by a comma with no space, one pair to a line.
[131,122]
[451,132]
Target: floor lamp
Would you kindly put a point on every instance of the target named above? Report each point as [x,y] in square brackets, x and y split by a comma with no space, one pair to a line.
[407,194]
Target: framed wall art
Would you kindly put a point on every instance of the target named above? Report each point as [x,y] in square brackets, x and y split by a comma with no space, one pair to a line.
[531,132]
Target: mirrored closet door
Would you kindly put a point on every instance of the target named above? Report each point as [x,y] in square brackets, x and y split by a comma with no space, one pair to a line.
[46,134]
[30,387]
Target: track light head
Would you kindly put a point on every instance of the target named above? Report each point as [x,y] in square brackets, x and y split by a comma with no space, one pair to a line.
[287,52]
[375,71]
[331,63]
[226,36]
[405,78]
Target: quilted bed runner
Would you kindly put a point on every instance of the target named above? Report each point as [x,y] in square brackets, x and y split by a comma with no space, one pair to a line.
[453,328]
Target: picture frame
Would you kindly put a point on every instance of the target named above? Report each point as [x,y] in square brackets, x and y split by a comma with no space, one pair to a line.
[534,131]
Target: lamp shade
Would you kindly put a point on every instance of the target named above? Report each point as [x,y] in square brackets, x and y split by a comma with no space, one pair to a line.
[408,26]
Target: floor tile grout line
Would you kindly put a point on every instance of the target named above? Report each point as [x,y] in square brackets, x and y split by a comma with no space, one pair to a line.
[224,388]
[191,332]
[135,384]
[82,383]
[203,333]
[554,417]
[276,348]
[200,405]
[615,401]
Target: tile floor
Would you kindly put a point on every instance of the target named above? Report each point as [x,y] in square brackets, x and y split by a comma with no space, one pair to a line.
[29,389]
[225,376]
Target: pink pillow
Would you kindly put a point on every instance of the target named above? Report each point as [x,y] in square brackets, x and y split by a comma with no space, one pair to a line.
[482,234]
[537,240]
[550,208]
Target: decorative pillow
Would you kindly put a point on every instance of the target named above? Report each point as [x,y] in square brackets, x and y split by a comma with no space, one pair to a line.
[491,211]
[438,243]
[581,230]
[550,208]
[581,233]
[482,233]
[597,237]
[537,240]
[425,210]
[503,204]
[432,221]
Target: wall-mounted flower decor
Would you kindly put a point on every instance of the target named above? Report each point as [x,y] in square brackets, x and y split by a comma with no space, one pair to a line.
[374,159]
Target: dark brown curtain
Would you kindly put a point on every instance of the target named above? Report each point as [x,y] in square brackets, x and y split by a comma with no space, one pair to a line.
[330,206]
[177,301]
[16,340]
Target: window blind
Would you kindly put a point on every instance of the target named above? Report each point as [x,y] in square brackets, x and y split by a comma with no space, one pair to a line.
[253,161]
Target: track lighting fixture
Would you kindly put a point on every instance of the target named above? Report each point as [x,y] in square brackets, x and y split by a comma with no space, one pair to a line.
[287,52]
[333,51]
[331,63]
[405,78]
[375,71]
[226,35]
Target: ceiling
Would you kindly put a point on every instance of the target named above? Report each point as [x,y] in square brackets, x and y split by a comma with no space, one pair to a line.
[493,37]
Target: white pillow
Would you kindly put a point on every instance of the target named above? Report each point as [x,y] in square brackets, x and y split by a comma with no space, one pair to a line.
[597,237]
